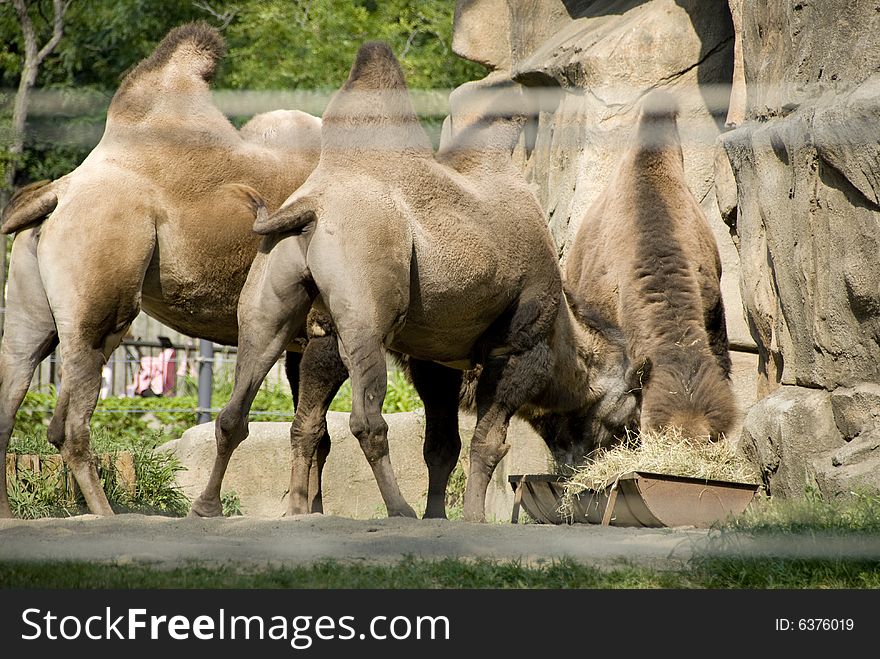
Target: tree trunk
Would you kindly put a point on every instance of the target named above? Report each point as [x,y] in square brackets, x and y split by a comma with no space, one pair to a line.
[33,57]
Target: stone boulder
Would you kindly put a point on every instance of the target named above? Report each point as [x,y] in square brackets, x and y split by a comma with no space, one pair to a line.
[259,471]
[855,466]
[806,164]
[782,433]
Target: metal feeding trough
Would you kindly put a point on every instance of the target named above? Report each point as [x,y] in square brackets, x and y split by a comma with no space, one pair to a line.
[636,498]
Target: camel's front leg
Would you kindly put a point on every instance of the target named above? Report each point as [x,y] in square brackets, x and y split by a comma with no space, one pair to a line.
[505,385]
[321,373]
[271,312]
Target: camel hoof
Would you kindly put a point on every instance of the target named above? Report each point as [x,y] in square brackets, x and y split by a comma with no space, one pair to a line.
[294,508]
[300,513]
[403,512]
[202,508]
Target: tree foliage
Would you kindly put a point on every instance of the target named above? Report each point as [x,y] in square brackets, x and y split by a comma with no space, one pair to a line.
[290,45]
[311,44]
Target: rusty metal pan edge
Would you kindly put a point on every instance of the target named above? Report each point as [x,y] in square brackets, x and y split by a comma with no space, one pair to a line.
[632,475]
[631,509]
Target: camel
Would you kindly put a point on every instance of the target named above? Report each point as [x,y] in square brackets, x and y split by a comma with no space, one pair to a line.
[158,216]
[646,259]
[445,259]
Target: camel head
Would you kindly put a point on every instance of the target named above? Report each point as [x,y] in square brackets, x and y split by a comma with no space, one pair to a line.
[372,112]
[596,395]
[691,395]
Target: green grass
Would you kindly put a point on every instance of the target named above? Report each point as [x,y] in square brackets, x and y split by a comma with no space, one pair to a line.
[400,395]
[857,513]
[33,495]
[129,419]
[231,503]
[44,494]
[454,574]
[139,425]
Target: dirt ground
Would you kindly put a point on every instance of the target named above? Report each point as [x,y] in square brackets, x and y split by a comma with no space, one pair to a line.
[171,542]
[305,539]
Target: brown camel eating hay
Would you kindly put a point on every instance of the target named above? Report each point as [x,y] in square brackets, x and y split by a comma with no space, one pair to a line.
[159,216]
[646,258]
[444,258]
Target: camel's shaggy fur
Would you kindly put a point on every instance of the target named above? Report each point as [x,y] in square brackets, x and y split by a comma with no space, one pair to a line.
[646,257]
[443,258]
[159,216]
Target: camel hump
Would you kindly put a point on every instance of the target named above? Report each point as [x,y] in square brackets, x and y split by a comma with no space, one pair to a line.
[375,68]
[658,122]
[373,110]
[294,215]
[659,105]
[30,206]
[194,47]
[284,128]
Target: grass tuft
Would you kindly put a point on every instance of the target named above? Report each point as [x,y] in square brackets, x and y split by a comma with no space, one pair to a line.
[231,503]
[858,512]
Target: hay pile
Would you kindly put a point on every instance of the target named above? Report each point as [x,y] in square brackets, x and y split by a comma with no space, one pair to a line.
[661,452]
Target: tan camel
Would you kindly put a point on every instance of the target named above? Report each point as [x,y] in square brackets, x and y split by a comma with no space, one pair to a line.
[443,258]
[646,258]
[159,216]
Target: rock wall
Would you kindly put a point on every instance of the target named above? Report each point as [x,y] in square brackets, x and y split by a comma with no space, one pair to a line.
[807,216]
[779,122]
[259,471]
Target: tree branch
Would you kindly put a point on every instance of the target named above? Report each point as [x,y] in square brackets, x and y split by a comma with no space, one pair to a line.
[58,9]
[224,19]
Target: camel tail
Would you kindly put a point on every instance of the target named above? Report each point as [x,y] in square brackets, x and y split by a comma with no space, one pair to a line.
[292,217]
[29,207]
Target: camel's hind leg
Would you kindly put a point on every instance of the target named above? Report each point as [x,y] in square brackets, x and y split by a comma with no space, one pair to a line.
[365,312]
[364,356]
[322,372]
[69,427]
[271,312]
[29,337]
[93,266]
[438,387]
[504,386]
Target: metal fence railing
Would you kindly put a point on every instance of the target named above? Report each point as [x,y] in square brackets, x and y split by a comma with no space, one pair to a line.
[156,361]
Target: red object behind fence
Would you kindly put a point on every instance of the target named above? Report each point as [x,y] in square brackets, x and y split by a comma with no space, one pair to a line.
[157,375]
